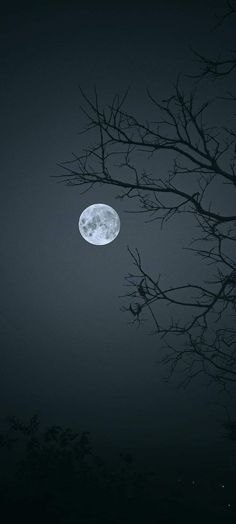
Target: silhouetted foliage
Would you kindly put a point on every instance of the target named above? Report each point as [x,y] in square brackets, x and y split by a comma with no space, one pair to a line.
[53,475]
[229,426]
[58,468]
[198,333]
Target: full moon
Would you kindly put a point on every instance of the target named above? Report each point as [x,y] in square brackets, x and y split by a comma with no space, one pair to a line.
[99,224]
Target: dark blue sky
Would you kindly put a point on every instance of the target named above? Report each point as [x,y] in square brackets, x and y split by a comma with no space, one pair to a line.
[66,348]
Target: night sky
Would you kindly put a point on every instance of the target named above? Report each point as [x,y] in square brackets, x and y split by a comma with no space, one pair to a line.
[67,349]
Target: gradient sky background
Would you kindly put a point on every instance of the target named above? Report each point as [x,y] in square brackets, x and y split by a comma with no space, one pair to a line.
[66,348]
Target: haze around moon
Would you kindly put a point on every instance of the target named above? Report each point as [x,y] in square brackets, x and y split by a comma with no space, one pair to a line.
[99,224]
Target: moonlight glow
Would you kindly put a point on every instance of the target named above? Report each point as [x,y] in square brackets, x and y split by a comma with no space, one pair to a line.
[99,224]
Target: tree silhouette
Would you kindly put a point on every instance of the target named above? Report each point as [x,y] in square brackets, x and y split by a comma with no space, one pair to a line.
[53,474]
[199,335]
[229,426]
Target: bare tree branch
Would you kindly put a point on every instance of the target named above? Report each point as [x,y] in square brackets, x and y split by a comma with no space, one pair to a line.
[200,162]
